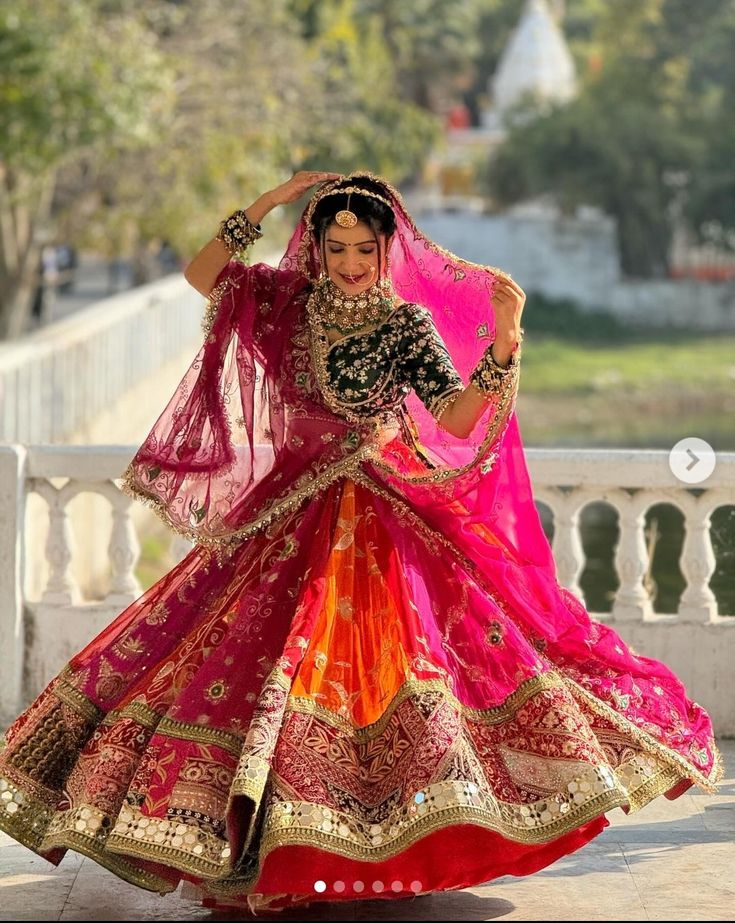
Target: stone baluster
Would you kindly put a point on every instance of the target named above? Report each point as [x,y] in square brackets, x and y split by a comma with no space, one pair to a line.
[698,603]
[61,588]
[124,551]
[567,545]
[632,602]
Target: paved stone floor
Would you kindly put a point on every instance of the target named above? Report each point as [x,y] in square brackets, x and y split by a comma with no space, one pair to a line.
[671,861]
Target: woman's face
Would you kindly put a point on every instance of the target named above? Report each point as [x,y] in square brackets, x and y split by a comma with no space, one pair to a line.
[353,256]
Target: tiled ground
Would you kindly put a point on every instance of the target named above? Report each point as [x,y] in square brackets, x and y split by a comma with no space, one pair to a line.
[672,861]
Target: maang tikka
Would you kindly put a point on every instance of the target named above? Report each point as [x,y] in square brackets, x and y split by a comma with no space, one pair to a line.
[346,218]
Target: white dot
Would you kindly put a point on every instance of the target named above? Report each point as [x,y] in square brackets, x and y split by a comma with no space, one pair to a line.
[416,886]
[320,886]
[397,886]
[339,886]
[358,886]
[378,886]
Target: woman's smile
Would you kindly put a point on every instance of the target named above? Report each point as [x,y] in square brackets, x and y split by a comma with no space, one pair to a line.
[353,280]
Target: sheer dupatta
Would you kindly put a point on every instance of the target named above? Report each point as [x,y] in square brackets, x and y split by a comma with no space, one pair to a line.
[251,430]
[245,436]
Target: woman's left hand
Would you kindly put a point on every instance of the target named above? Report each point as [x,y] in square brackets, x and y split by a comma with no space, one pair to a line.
[509,300]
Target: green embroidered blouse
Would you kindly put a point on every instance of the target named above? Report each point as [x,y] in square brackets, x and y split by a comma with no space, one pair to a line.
[376,369]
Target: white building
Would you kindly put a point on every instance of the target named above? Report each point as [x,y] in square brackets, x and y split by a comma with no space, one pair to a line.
[537,64]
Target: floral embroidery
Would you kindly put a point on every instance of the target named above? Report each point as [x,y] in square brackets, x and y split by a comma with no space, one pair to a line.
[376,369]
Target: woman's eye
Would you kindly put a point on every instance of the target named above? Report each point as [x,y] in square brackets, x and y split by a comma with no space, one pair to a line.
[367,252]
[336,251]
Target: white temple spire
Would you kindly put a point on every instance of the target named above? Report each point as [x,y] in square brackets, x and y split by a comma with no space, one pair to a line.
[536,60]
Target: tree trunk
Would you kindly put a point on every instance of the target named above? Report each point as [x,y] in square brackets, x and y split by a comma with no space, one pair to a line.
[644,245]
[25,209]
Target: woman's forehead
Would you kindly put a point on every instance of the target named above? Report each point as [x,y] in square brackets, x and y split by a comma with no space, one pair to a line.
[361,233]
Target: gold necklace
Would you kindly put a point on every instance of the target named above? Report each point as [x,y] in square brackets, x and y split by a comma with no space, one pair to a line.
[348,313]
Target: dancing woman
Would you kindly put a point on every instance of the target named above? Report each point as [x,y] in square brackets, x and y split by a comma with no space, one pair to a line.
[364,680]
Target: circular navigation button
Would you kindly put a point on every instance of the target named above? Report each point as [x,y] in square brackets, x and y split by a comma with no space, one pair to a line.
[692,460]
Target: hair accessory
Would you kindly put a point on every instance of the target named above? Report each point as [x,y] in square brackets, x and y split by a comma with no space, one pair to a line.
[346,218]
[358,190]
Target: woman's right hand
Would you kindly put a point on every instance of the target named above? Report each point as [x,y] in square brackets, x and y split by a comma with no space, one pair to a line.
[295,187]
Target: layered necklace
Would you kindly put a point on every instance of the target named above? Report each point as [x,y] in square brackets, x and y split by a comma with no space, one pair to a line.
[348,313]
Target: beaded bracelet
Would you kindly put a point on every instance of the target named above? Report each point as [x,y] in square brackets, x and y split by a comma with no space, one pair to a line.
[489,377]
[237,232]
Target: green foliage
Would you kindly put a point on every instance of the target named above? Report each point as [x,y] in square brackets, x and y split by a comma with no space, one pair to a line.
[650,133]
[360,118]
[290,87]
[432,43]
[72,77]
[563,318]
[76,80]
[565,366]
[579,391]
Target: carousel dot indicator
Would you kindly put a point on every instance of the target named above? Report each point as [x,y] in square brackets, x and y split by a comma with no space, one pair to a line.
[396,886]
[339,886]
[416,886]
[358,886]
[320,886]
[378,886]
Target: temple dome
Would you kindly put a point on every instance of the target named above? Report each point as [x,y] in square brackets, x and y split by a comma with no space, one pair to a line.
[536,60]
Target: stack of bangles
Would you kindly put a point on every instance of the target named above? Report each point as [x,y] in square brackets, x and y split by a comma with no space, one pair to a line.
[237,232]
[490,378]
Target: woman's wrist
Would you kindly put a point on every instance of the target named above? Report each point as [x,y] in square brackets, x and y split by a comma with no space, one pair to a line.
[498,365]
[505,345]
[260,208]
[240,229]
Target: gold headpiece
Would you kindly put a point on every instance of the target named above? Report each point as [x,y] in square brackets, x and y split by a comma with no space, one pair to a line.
[304,257]
[347,218]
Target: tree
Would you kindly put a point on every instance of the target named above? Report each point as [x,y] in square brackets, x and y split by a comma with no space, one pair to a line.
[72,78]
[237,128]
[653,108]
[361,115]
[260,92]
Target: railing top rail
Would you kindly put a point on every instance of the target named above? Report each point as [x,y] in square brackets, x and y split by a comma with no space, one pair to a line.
[634,468]
[86,322]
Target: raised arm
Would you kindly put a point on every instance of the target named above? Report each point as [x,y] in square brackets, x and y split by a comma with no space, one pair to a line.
[203,270]
[500,361]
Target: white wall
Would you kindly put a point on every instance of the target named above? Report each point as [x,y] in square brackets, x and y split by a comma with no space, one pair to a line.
[577,258]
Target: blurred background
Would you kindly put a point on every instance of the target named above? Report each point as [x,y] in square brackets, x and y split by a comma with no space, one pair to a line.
[586,147]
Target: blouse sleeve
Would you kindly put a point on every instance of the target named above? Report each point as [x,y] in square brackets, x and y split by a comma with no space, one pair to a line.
[427,365]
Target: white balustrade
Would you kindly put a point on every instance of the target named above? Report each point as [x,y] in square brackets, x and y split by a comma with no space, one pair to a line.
[124,549]
[56,382]
[697,641]
[631,559]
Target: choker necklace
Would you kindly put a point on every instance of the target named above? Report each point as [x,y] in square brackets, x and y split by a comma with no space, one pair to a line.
[348,313]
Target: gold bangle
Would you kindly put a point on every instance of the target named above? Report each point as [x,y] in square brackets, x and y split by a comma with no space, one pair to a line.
[237,232]
[489,377]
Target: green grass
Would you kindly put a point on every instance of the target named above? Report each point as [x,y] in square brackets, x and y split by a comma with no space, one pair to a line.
[552,365]
[588,380]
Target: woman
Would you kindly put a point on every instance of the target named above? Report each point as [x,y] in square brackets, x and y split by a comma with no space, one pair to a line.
[364,680]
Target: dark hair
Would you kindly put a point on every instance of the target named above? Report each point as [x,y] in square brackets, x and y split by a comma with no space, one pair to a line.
[372,211]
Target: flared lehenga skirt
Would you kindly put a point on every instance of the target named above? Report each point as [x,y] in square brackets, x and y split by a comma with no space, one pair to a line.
[338,709]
